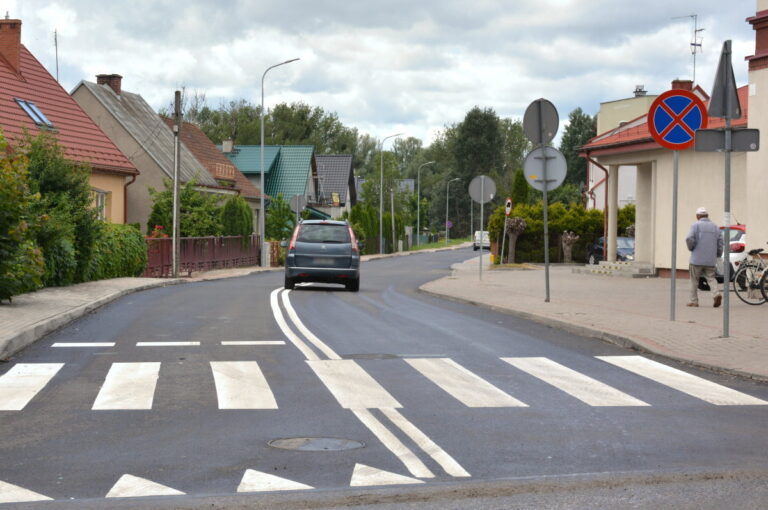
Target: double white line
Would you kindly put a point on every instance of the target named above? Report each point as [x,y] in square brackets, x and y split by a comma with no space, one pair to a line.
[357,391]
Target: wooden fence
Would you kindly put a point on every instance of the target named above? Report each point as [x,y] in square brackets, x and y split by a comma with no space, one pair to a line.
[201,254]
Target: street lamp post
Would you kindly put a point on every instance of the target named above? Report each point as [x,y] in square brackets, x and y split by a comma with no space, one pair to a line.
[381,193]
[263,214]
[418,202]
[447,187]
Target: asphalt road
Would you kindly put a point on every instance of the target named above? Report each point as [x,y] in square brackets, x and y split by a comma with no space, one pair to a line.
[440,399]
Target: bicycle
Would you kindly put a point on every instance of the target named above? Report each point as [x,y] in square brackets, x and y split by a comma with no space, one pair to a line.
[749,282]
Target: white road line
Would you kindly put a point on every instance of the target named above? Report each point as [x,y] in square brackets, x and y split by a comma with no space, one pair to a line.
[128,386]
[429,447]
[252,342]
[84,344]
[393,444]
[129,486]
[10,493]
[22,382]
[352,386]
[241,385]
[683,381]
[367,476]
[306,332]
[257,481]
[166,344]
[460,383]
[289,334]
[578,385]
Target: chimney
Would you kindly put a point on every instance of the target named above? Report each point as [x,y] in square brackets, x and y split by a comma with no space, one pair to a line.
[10,42]
[679,84]
[759,23]
[113,80]
[227,146]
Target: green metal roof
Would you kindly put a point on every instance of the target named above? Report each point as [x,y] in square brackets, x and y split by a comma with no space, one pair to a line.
[247,158]
[292,170]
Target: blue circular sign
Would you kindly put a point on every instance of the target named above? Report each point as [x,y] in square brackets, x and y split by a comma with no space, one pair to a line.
[674,118]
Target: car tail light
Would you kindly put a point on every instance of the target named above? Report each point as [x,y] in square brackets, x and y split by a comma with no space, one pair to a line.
[353,240]
[292,244]
[737,247]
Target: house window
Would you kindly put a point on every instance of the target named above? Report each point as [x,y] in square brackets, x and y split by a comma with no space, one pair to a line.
[34,113]
[101,202]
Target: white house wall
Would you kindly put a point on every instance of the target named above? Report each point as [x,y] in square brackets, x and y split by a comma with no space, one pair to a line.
[757,162]
[701,183]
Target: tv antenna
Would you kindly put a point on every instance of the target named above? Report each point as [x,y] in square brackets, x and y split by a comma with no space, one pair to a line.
[696,39]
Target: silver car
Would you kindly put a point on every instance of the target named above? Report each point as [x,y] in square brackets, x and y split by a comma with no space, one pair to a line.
[323,251]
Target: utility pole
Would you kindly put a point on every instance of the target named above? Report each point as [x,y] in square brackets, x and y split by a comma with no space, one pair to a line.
[177,116]
[392,213]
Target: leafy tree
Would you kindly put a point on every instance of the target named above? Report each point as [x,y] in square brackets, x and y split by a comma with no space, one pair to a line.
[21,261]
[280,220]
[67,238]
[581,127]
[236,217]
[199,212]
[520,188]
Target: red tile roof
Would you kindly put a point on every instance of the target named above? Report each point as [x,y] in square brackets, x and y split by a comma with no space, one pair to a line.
[82,139]
[634,135]
[218,165]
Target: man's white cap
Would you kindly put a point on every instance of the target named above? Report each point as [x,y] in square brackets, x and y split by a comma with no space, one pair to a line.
[701,212]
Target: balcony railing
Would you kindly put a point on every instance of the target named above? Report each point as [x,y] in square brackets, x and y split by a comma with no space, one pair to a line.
[201,254]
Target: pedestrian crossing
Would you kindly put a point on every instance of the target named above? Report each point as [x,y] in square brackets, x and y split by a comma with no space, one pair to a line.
[243,384]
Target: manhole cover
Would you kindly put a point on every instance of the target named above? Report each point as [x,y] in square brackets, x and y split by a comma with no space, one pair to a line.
[315,444]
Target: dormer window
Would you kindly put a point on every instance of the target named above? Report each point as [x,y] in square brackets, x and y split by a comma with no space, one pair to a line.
[34,113]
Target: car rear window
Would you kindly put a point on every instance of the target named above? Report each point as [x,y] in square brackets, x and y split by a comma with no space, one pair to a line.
[318,233]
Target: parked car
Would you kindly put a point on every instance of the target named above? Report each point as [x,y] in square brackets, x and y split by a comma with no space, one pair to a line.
[485,242]
[738,254]
[625,250]
[323,251]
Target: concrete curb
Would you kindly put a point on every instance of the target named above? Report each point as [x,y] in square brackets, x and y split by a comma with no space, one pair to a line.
[619,340]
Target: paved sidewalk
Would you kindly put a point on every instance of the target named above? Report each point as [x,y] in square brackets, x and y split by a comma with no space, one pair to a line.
[630,312]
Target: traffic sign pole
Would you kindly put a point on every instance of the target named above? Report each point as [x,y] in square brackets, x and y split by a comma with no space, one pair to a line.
[673,119]
[673,287]
[482,194]
[546,210]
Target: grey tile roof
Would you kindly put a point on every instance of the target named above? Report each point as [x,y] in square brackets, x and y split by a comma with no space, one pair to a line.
[150,132]
[333,171]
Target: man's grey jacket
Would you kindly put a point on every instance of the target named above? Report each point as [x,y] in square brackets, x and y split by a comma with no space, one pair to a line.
[705,242]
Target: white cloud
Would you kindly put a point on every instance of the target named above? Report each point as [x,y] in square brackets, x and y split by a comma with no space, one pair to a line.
[388,66]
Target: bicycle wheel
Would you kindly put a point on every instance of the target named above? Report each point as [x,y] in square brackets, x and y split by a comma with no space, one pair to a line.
[764,285]
[746,284]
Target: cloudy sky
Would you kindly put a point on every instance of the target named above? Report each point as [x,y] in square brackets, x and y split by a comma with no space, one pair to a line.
[390,66]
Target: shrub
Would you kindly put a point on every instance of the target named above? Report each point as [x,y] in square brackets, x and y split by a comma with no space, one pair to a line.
[236,217]
[200,215]
[66,201]
[21,262]
[119,251]
[587,224]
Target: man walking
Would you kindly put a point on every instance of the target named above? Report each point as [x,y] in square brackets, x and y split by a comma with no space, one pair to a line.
[706,245]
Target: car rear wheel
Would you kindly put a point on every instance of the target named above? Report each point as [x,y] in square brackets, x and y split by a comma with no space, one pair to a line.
[289,283]
[353,285]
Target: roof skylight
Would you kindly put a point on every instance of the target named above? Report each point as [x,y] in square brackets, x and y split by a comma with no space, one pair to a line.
[34,113]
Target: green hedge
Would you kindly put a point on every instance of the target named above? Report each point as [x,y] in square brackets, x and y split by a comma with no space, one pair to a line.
[588,224]
[120,250]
